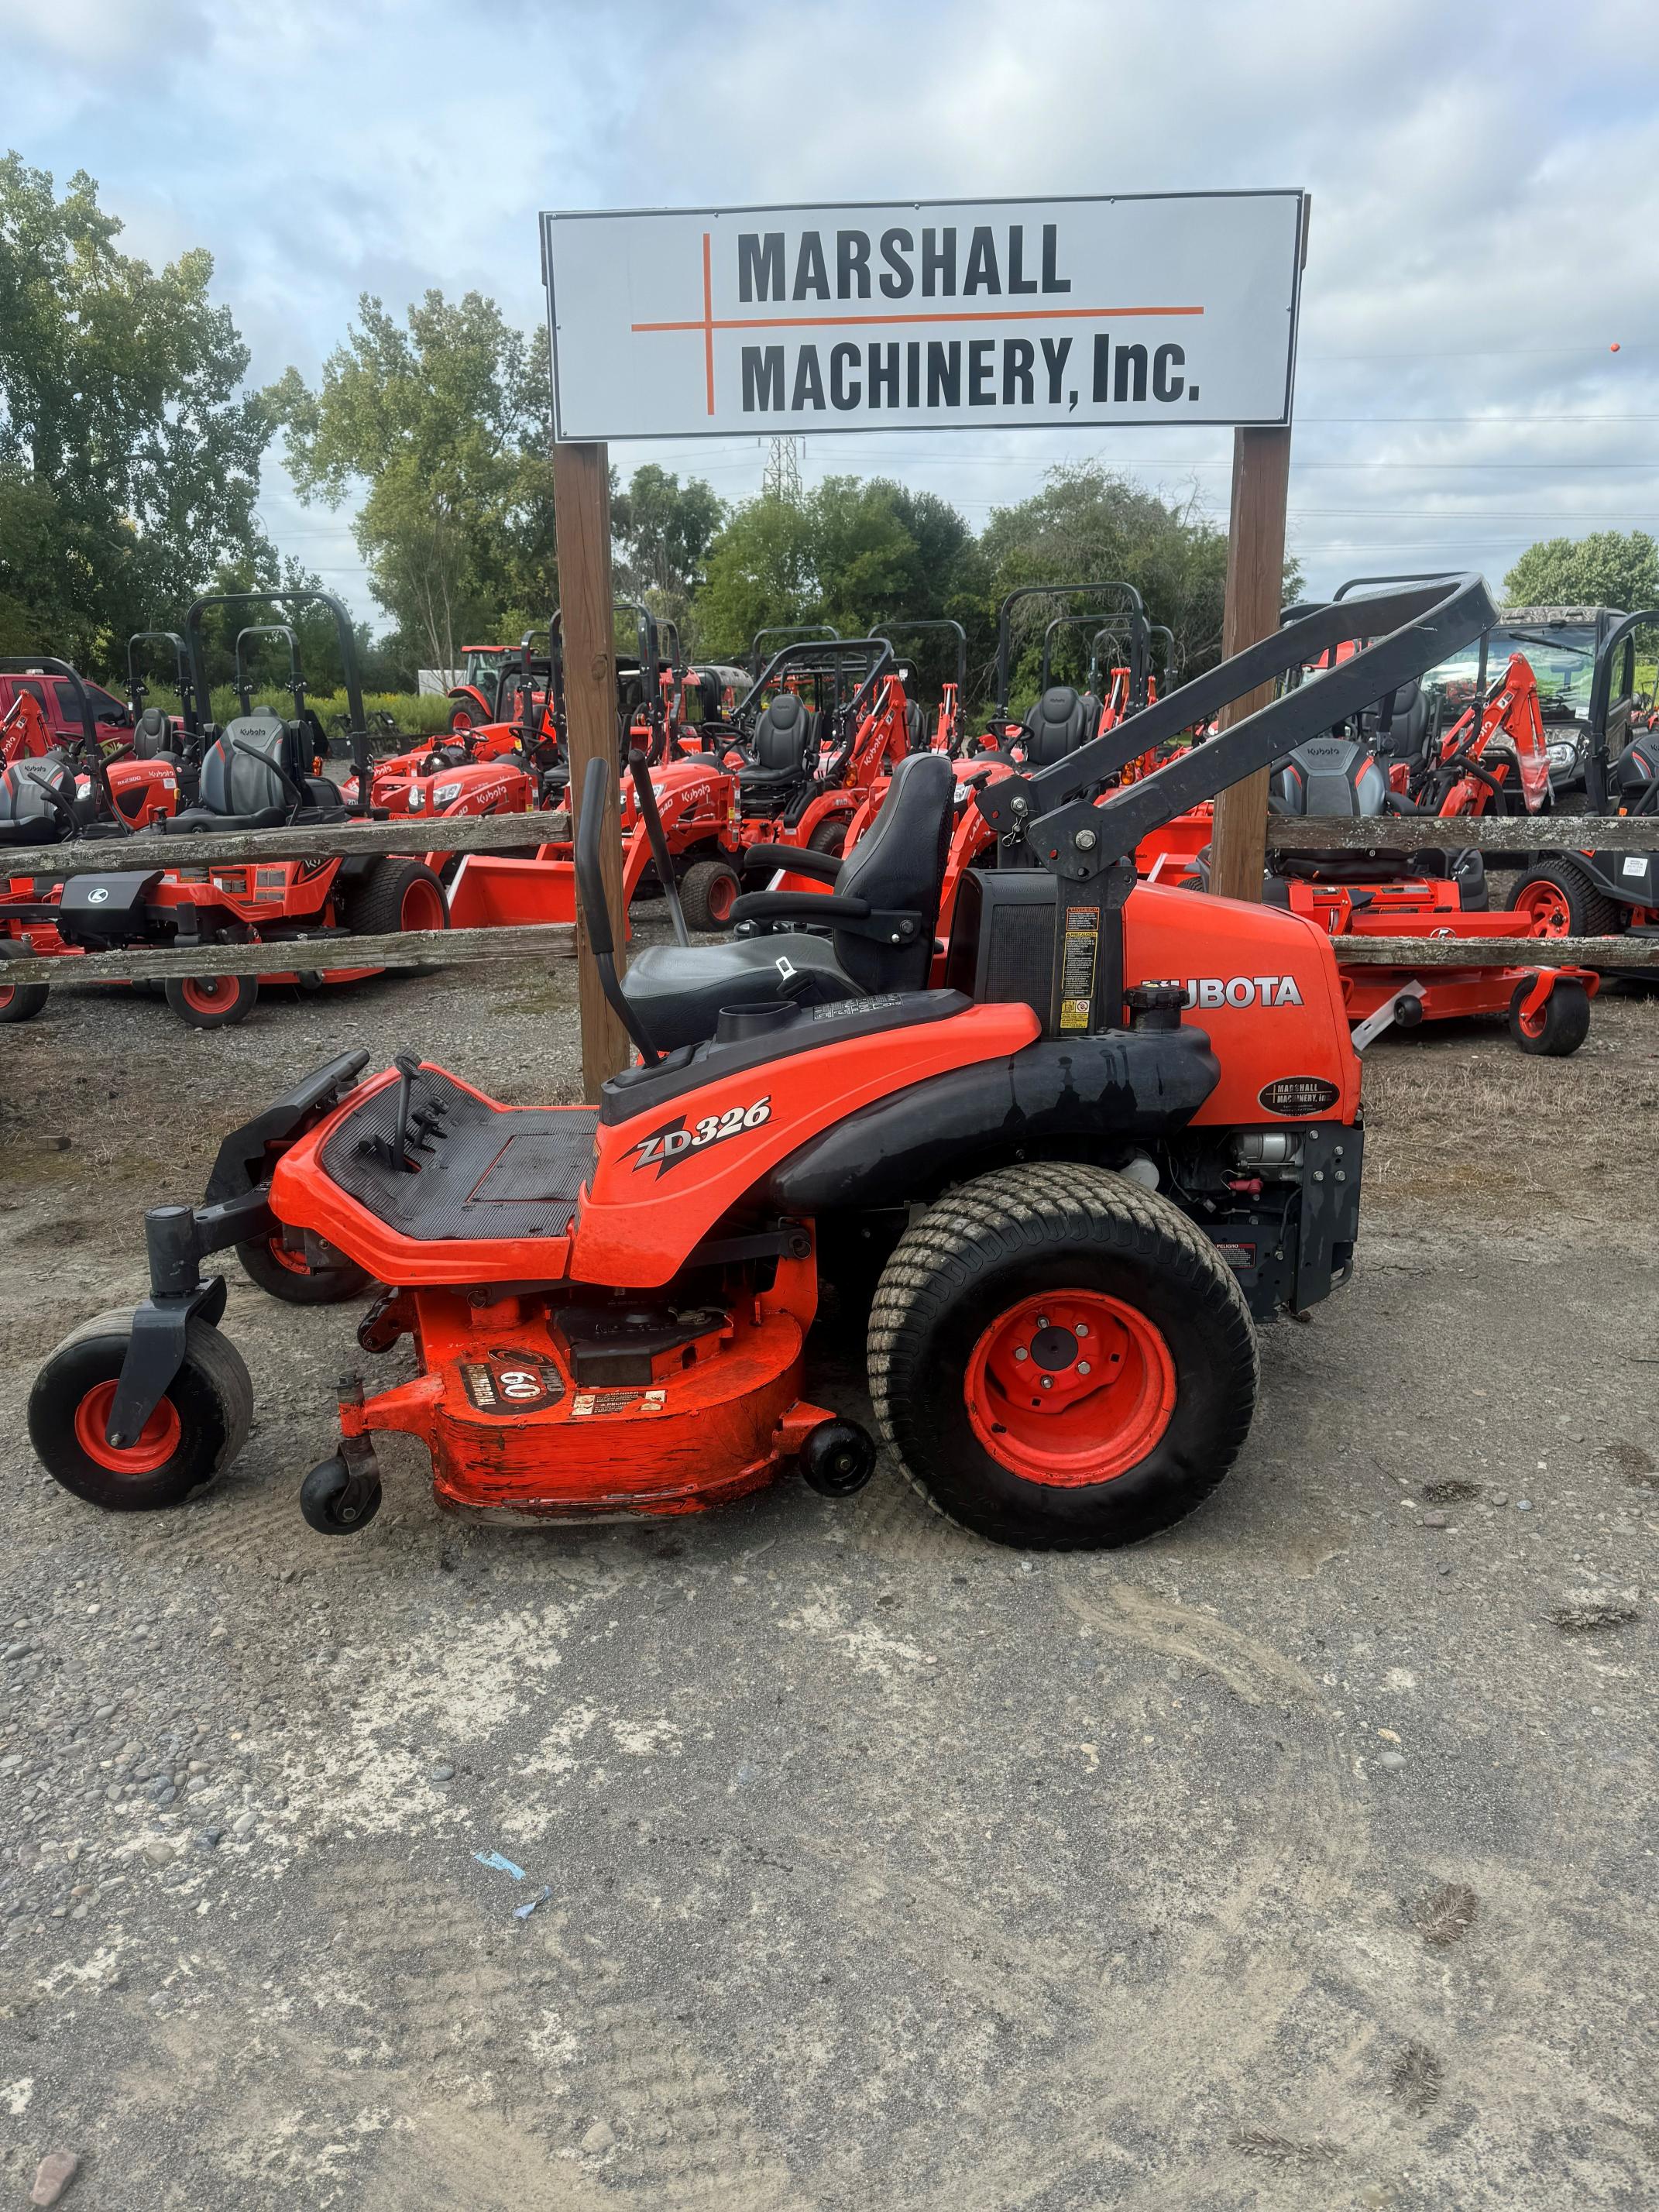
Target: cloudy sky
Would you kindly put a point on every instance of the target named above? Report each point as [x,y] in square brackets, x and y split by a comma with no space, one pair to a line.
[1485,181]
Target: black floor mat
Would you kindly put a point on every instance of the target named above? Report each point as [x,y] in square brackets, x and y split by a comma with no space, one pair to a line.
[488,1171]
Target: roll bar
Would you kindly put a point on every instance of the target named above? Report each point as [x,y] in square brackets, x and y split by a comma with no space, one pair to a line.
[1412,631]
[1126,593]
[1623,633]
[357,736]
[930,623]
[296,681]
[805,649]
[801,631]
[137,688]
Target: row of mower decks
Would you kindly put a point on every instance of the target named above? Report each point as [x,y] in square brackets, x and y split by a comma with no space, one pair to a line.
[1059,1186]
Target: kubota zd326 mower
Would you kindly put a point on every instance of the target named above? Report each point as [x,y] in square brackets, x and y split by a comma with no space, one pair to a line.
[1084,1192]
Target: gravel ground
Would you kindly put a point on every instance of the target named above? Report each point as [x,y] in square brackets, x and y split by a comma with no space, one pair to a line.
[1301,1858]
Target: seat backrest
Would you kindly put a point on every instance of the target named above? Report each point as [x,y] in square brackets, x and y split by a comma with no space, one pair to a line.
[782,733]
[1056,726]
[898,865]
[1331,775]
[239,772]
[1093,708]
[916,727]
[152,734]
[25,800]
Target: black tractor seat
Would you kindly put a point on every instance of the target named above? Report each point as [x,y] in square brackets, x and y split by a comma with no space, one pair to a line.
[877,924]
[778,759]
[1056,726]
[480,1170]
[39,801]
[152,737]
[256,775]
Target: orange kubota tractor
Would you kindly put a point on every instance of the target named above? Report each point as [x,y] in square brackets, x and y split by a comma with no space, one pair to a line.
[1081,1176]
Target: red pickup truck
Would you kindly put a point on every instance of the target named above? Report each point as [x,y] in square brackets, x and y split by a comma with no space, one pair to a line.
[55,700]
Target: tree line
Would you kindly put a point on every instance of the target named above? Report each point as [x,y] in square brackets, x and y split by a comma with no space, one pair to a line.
[131,447]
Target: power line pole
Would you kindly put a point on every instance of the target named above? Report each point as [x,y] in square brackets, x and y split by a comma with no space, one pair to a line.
[780,479]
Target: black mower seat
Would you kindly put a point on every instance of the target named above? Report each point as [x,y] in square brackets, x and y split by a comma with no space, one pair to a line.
[152,736]
[898,868]
[256,775]
[483,1171]
[775,758]
[1056,726]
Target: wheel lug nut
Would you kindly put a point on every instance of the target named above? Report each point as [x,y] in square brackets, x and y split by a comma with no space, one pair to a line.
[1081,1329]
[1043,1321]
[1083,1367]
[1048,1381]
[1020,1352]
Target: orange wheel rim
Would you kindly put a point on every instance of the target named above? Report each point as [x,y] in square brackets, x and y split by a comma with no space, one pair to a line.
[722,896]
[158,1440]
[7,992]
[293,1261]
[1545,908]
[206,994]
[422,907]
[1070,1388]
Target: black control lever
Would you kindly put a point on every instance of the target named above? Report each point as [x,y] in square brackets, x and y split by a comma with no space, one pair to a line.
[392,1152]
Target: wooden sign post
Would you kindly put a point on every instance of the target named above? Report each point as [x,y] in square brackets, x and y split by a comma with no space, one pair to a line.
[1256,572]
[581,504]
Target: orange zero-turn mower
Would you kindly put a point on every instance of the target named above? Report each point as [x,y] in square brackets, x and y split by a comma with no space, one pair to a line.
[1082,1192]
[257,774]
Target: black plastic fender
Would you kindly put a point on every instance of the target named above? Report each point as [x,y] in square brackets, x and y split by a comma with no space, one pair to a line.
[1128,1083]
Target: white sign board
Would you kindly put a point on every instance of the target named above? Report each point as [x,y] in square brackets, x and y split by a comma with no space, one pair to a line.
[995,314]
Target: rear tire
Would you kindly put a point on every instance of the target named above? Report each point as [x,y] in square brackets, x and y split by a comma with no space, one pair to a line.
[709,890]
[211,1002]
[199,1427]
[285,1275]
[830,837]
[1134,1285]
[397,895]
[1560,1029]
[465,718]
[1565,900]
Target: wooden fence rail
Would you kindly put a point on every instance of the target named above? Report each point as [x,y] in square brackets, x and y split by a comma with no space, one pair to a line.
[492,832]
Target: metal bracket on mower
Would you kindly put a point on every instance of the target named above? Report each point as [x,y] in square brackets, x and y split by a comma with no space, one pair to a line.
[1406,1007]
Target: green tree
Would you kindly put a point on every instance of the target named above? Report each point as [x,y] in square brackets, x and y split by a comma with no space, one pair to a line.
[1087,525]
[760,575]
[443,427]
[129,454]
[663,530]
[855,549]
[1608,568]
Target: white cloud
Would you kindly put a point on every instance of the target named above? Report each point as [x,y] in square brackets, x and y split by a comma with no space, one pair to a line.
[1486,187]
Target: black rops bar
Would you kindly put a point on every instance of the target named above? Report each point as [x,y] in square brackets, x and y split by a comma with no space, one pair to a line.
[1126,593]
[877,649]
[345,637]
[243,684]
[799,631]
[190,712]
[1089,849]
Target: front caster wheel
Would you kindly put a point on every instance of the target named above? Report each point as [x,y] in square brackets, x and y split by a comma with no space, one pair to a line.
[287,1275]
[200,1425]
[337,1503]
[837,1458]
[1560,1025]
[211,1002]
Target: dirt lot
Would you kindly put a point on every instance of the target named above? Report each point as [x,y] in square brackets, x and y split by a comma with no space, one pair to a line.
[1303,1858]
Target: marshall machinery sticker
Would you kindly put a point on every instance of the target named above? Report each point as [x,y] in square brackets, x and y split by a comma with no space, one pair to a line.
[1179,308]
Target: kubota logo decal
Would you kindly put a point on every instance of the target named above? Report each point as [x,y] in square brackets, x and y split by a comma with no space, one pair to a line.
[1209,992]
[665,1147]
